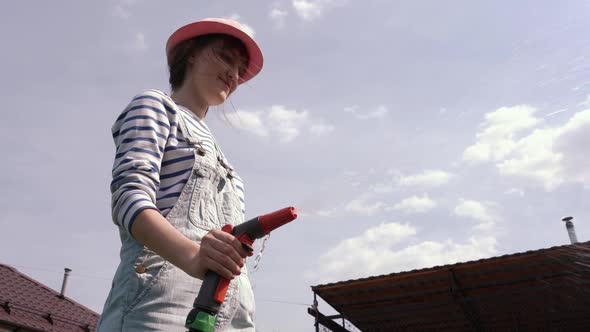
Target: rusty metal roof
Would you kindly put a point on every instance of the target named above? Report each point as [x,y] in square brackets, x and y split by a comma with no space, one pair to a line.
[541,290]
[29,304]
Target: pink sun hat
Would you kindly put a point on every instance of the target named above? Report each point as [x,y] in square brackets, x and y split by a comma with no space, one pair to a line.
[222,26]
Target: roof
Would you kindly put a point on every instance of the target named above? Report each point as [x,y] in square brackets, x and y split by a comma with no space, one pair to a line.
[27,303]
[541,290]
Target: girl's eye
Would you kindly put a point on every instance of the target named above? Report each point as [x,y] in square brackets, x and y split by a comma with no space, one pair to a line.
[232,60]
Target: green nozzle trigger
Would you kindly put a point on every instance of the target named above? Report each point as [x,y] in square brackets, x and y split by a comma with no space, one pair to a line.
[203,322]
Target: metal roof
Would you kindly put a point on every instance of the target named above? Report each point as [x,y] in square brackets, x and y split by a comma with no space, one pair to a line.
[541,290]
[27,303]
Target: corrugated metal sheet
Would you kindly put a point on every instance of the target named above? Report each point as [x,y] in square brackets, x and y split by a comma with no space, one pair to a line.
[27,303]
[541,290]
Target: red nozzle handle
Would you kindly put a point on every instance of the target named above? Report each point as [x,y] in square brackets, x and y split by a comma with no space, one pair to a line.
[223,284]
[273,220]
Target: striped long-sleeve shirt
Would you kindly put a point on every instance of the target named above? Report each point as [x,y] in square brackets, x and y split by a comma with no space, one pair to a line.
[153,161]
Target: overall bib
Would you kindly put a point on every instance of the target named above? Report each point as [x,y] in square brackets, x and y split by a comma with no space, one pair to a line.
[150,294]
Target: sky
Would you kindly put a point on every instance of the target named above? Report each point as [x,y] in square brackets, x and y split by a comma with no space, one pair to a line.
[407,134]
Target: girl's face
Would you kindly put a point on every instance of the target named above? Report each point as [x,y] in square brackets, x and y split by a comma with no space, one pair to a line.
[215,72]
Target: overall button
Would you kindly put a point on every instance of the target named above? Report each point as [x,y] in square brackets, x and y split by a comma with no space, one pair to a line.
[140,269]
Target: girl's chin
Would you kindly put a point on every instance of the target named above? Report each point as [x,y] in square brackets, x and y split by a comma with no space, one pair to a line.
[218,99]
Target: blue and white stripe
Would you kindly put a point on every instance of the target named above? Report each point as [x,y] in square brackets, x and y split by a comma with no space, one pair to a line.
[153,161]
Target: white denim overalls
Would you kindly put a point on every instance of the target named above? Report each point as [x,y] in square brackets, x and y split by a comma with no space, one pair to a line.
[149,293]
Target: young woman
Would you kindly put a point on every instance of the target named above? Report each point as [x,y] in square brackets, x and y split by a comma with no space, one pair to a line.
[172,188]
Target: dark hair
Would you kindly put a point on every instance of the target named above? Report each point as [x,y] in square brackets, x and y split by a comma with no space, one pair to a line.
[178,60]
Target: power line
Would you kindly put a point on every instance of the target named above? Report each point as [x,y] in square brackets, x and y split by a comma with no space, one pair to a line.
[283,302]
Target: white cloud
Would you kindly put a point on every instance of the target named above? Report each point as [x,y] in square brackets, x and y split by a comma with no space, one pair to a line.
[496,140]
[361,207]
[350,109]
[349,173]
[515,191]
[428,178]
[380,112]
[287,123]
[572,143]
[310,10]
[120,12]
[122,8]
[586,102]
[326,213]
[278,16]
[549,156]
[140,43]
[382,188]
[321,129]
[250,121]
[533,158]
[248,29]
[307,10]
[553,156]
[477,211]
[376,252]
[281,122]
[415,204]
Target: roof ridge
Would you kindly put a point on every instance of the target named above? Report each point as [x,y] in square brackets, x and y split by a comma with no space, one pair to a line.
[51,290]
[436,267]
[9,267]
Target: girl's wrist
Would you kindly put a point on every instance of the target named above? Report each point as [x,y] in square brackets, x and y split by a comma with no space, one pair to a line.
[188,260]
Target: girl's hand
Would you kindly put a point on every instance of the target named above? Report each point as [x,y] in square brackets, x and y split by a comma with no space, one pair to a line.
[220,252]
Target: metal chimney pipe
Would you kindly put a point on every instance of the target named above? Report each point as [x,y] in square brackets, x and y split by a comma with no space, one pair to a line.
[569,225]
[65,282]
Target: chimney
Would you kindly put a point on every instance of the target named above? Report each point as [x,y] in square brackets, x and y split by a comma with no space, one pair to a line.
[65,281]
[569,225]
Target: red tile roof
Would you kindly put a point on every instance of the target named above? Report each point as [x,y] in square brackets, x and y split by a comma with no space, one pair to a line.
[27,303]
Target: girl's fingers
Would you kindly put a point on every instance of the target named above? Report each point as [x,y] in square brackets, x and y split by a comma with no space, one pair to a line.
[218,268]
[233,241]
[241,250]
[226,255]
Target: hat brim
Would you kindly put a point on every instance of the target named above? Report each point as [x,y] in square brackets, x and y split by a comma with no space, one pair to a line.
[205,27]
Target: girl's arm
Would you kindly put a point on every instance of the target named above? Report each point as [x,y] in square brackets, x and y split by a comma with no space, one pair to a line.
[219,251]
